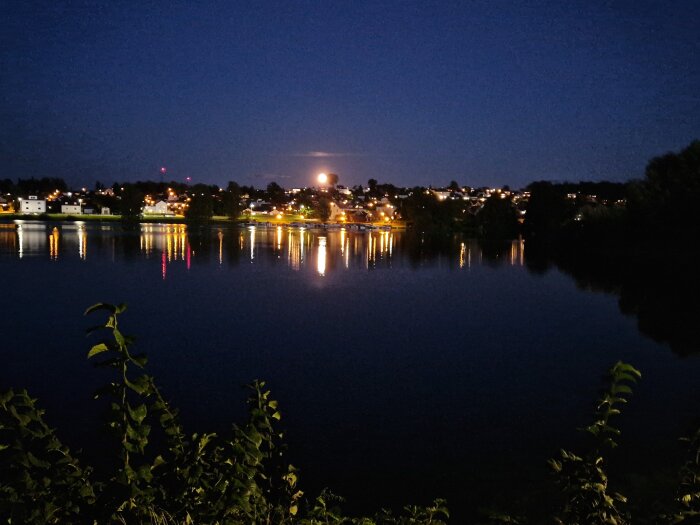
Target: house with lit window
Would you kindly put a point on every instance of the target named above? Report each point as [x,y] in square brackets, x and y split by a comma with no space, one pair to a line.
[32,205]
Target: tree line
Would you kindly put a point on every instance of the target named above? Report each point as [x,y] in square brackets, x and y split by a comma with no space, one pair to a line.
[663,203]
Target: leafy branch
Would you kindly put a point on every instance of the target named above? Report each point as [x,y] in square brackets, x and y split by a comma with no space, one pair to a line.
[583,479]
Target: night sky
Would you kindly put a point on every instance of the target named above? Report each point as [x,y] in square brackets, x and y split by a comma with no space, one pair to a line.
[482,92]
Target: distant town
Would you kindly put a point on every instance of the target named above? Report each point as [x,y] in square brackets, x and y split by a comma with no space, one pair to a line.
[326,202]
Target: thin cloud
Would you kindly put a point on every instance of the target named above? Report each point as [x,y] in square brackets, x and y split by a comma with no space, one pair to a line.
[270,176]
[325,154]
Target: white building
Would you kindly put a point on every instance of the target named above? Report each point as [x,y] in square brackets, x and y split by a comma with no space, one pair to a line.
[106,211]
[32,205]
[337,213]
[159,208]
[348,214]
[72,209]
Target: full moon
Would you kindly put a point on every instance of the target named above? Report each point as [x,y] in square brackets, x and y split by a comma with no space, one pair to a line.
[322,178]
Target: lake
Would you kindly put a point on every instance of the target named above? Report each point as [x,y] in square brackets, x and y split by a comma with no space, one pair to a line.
[407,366]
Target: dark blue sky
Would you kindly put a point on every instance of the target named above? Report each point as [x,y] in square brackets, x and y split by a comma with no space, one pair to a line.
[483,92]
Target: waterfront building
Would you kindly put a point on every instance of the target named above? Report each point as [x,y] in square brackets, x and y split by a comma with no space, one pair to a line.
[32,205]
[159,208]
[72,209]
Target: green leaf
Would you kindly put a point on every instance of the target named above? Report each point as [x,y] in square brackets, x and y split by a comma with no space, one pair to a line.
[37,462]
[6,396]
[24,420]
[204,440]
[291,478]
[97,349]
[618,388]
[139,360]
[158,461]
[118,337]
[131,432]
[624,376]
[138,414]
[100,306]
[136,386]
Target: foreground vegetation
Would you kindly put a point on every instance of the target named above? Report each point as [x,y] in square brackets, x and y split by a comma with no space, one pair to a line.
[160,474]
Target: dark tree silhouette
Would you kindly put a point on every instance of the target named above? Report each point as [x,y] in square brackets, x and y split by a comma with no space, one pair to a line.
[275,194]
[231,200]
[498,218]
[201,206]
[130,202]
[323,208]
[666,201]
[547,210]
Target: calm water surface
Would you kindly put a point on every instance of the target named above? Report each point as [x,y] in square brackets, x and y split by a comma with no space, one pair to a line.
[406,368]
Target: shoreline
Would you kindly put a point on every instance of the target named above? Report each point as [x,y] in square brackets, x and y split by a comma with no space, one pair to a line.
[217,220]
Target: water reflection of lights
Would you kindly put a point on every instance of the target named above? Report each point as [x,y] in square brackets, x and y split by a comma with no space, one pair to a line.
[82,240]
[175,242]
[8,238]
[465,254]
[170,240]
[345,248]
[385,243]
[146,239]
[521,245]
[293,251]
[20,240]
[316,250]
[321,256]
[251,230]
[220,235]
[517,252]
[53,244]
[168,247]
[31,238]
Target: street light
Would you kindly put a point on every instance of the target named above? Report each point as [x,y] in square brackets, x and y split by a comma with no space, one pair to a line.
[322,178]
